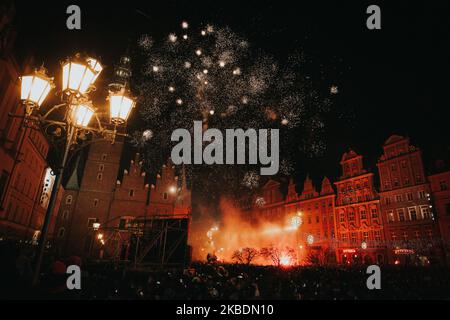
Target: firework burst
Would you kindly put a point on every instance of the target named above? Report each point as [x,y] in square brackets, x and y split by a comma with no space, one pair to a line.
[215,76]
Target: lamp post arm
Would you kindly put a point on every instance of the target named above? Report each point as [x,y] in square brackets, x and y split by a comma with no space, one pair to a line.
[50,208]
[54,108]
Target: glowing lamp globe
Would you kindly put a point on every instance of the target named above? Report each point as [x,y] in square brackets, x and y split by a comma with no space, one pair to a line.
[79,75]
[96,225]
[120,107]
[81,114]
[34,88]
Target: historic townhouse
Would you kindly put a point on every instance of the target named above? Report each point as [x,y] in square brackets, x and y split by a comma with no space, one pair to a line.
[411,229]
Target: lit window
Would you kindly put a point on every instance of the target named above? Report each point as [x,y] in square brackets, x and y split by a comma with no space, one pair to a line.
[390,215]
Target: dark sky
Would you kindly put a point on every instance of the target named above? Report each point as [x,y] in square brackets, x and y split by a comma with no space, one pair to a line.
[395,80]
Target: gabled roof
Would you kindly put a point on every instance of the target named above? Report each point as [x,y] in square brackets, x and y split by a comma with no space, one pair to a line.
[393,139]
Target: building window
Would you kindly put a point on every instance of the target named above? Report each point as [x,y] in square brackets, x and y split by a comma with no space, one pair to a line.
[412,213]
[391,217]
[443,185]
[377,235]
[396,184]
[91,221]
[101,167]
[425,210]
[165,195]
[409,196]
[317,219]
[341,217]
[374,213]
[418,178]
[353,237]
[131,193]
[393,236]
[363,214]
[430,234]
[403,164]
[387,200]
[447,209]
[406,182]
[95,203]
[344,237]
[401,214]
[100,176]
[399,198]
[422,194]
[69,199]
[351,216]
[405,236]
[123,223]
[61,232]
[365,236]
[65,215]
[104,156]
[3,181]
[417,234]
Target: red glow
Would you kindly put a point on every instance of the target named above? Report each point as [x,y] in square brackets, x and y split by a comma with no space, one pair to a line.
[235,232]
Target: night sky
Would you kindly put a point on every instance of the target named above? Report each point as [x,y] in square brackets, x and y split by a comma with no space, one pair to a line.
[393,80]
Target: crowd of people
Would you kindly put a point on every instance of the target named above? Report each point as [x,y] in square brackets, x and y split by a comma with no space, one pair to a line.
[213,281]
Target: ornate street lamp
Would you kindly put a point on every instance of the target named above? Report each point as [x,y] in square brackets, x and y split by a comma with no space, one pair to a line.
[120,105]
[81,114]
[79,75]
[35,88]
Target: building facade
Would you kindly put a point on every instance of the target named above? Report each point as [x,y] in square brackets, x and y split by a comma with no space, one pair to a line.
[24,172]
[440,188]
[359,226]
[411,229]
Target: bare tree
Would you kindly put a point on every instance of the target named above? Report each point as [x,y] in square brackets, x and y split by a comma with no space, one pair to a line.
[272,253]
[245,255]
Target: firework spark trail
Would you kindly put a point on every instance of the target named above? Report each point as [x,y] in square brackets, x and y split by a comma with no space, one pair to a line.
[214,75]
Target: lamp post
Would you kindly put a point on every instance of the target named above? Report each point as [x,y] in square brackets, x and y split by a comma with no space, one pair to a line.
[79,75]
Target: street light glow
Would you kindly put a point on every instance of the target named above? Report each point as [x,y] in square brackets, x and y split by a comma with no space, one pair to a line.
[81,114]
[35,87]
